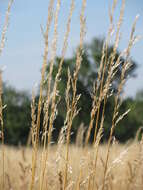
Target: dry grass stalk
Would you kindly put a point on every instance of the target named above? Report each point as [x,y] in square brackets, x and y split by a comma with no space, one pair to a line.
[98,90]
[110,61]
[72,110]
[33,117]
[79,181]
[33,133]
[2,132]
[5,27]
[50,14]
[60,180]
[100,86]
[96,151]
[55,91]
[125,67]
[2,44]
[47,103]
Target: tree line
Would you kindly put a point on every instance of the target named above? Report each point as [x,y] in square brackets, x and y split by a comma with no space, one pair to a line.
[17,112]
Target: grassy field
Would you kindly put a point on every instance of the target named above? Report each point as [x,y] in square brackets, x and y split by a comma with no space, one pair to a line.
[124,168]
[80,166]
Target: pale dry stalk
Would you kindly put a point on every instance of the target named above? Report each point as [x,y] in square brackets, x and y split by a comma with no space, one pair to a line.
[50,11]
[47,102]
[73,110]
[2,44]
[97,100]
[55,93]
[96,151]
[79,180]
[111,61]
[103,93]
[115,118]
[33,117]
[100,79]
[2,132]
[5,27]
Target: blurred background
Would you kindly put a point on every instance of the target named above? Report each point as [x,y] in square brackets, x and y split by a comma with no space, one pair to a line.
[22,61]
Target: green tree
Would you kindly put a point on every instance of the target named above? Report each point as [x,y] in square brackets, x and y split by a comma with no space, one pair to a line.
[17,117]
[139,95]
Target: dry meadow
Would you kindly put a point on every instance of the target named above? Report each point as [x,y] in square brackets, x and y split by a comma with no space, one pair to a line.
[41,165]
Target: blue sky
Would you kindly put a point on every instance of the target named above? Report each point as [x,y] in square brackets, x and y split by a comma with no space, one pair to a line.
[22,55]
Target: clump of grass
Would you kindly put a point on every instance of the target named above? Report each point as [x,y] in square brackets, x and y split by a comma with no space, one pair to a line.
[124,159]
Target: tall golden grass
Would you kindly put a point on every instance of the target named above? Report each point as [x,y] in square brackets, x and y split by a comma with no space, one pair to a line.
[124,168]
[64,166]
